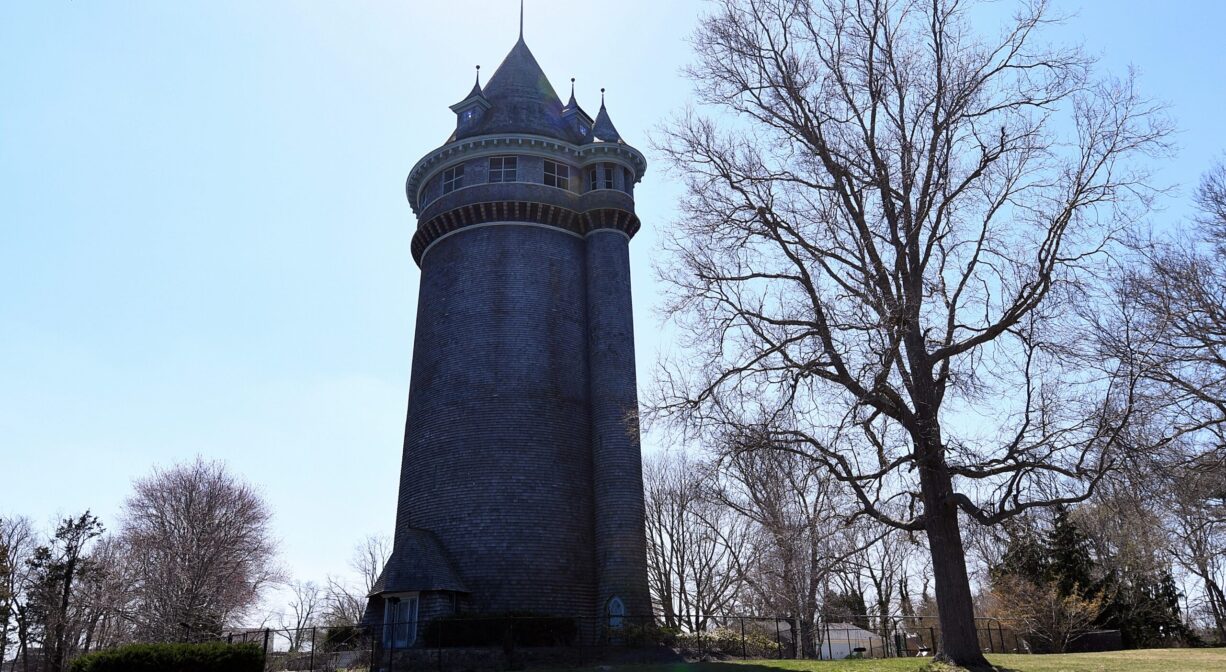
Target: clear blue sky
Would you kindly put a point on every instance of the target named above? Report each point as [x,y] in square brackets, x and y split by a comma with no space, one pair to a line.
[204,241]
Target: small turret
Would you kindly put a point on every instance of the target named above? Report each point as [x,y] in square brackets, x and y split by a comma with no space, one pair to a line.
[471,110]
[603,129]
[578,121]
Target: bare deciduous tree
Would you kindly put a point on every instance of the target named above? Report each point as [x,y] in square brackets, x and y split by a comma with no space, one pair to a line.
[882,557]
[885,255]
[345,602]
[303,612]
[201,550]
[691,543]
[1171,326]
[1196,518]
[1041,612]
[796,537]
[369,558]
[16,545]
[106,597]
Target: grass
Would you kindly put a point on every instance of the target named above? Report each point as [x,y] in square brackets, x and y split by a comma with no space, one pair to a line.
[1146,660]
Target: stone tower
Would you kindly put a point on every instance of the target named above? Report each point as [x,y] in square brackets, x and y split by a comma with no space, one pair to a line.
[521,483]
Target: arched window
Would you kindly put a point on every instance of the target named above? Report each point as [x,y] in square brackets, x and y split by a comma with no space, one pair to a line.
[617,612]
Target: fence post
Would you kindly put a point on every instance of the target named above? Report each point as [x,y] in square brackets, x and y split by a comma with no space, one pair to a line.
[313,633]
[376,632]
[267,634]
[744,649]
[778,639]
[391,660]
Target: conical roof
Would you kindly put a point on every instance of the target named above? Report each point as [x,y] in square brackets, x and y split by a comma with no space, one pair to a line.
[476,92]
[603,128]
[520,75]
[572,105]
[476,96]
[521,99]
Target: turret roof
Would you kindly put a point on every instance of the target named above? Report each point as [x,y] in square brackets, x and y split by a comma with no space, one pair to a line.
[521,100]
[476,96]
[476,86]
[603,129]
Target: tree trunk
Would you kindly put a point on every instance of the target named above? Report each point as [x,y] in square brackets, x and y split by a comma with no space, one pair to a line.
[4,641]
[1217,605]
[23,649]
[959,643]
[61,625]
[23,638]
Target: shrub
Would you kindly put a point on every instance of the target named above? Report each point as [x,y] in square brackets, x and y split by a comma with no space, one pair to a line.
[643,634]
[343,638]
[519,629]
[213,657]
[728,642]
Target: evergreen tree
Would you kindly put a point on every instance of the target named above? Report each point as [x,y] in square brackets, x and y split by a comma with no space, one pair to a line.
[846,607]
[1143,606]
[1070,563]
[1145,609]
[1026,555]
[55,571]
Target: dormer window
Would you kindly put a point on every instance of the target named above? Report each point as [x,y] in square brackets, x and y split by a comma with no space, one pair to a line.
[468,115]
[453,178]
[557,175]
[504,169]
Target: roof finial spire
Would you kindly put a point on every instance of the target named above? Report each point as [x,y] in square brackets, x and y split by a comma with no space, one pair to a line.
[521,20]
[572,87]
[478,75]
[602,96]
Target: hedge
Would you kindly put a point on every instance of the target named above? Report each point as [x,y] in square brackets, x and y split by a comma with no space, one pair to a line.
[212,657]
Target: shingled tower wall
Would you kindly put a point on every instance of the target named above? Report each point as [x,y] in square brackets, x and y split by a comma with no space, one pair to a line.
[521,484]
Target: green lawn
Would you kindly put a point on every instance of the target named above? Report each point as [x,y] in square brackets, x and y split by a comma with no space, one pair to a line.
[1148,660]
